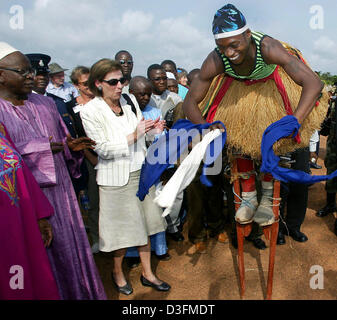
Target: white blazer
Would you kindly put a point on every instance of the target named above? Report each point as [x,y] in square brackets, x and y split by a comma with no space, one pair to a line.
[115,158]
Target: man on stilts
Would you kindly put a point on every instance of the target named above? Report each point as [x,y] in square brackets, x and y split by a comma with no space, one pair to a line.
[248,82]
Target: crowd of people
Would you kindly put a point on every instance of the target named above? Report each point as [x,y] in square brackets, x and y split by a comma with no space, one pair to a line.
[64,145]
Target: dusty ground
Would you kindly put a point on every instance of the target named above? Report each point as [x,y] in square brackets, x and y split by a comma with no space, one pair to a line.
[214,275]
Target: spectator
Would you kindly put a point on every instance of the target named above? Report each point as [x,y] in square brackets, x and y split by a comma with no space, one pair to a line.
[24,213]
[125,59]
[330,162]
[294,201]
[141,88]
[172,83]
[120,145]
[161,98]
[57,86]
[40,85]
[166,101]
[79,77]
[182,77]
[40,62]
[170,66]
[44,143]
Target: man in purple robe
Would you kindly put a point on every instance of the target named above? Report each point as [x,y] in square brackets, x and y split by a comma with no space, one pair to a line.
[25,271]
[44,143]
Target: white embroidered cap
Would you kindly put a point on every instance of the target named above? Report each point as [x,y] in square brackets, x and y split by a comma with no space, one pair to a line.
[6,49]
[170,75]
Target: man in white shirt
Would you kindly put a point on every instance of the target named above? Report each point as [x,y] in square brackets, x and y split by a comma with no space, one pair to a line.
[57,86]
[161,98]
[166,101]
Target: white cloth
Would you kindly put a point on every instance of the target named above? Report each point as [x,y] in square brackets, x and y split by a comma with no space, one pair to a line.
[116,159]
[170,75]
[166,101]
[6,49]
[184,174]
[126,89]
[313,141]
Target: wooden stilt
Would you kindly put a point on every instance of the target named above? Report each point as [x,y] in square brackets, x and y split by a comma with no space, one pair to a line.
[273,238]
[242,231]
[270,232]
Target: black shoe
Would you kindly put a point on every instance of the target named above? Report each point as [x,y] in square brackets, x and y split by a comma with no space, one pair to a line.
[281,239]
[163,257]
[160,287]
[132,262]
[298,235]
[176,236]
[259,244]
[326,210]
[127,289]
[314,165]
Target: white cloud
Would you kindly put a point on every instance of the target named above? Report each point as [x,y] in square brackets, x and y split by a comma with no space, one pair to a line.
[134,23]
[40,4]
[325,45]
[81,32]
[323,56]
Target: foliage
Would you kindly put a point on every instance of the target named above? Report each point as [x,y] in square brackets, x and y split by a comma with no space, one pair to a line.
[327,77]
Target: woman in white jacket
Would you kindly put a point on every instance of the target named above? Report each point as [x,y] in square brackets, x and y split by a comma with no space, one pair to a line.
[119,133]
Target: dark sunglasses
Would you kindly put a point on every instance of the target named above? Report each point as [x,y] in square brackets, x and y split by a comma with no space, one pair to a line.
[23,73]
[113,82]
[84,84]
[160,78]
[129,62]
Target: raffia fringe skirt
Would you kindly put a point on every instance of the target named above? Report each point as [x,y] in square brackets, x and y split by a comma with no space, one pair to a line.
[247,111]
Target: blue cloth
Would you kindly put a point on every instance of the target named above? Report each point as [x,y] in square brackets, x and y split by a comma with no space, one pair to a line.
[158,240]
[158,245]
[228,19]
[167,150]
[285,127]
[182,91]
[151,113]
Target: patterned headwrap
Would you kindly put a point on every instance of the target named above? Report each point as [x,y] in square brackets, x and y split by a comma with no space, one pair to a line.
[228,22]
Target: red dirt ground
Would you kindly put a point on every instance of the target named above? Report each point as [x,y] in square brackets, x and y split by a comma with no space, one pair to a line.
[214,275]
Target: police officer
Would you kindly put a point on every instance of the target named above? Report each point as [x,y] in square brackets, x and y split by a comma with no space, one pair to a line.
[39,63]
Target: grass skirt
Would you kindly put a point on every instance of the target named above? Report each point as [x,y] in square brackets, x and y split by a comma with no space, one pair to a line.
[247,111]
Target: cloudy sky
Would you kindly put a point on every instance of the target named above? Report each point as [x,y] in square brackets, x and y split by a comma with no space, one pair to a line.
[80,32]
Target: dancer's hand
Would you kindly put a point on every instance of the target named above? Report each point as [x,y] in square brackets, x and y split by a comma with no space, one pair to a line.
[217,126]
